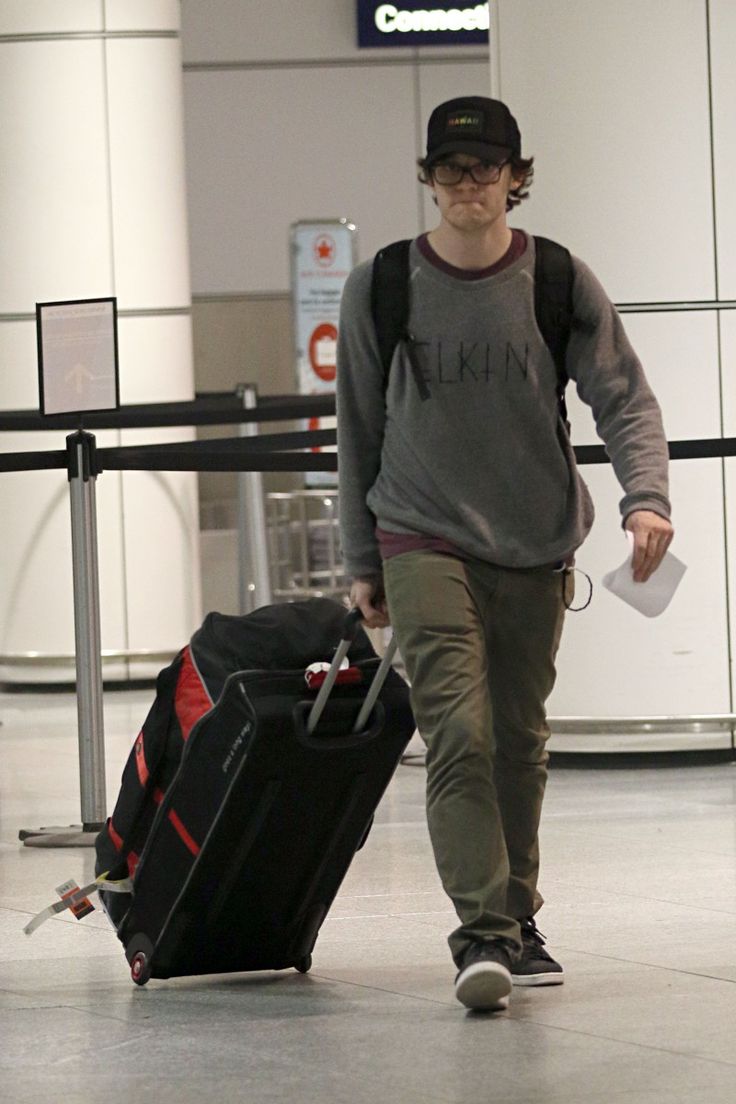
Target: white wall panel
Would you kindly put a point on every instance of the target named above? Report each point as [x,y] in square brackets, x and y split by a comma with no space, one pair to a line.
[148,177]
[730,470]
[36,602]
[679,353]
[161,559]
[612,100]
[267,148]
[143,15]
[161,562]
[36,612]
[723,48]
[27,544]
[616,662]
[273,30]
[162,571]
[19,360]
[48,16]
[59,238]
[155,359]
[728,368]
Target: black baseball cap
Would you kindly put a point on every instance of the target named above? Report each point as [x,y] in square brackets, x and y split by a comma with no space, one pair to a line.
[472,124]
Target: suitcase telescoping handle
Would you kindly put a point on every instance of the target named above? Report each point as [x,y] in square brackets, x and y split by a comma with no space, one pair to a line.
[352,624]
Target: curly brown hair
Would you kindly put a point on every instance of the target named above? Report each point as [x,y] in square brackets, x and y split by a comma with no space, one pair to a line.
[522,169]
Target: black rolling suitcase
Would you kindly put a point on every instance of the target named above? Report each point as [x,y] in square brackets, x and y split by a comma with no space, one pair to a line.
[274,792]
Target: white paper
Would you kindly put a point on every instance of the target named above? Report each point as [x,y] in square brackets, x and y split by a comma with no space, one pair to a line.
[650,598]
[78,358]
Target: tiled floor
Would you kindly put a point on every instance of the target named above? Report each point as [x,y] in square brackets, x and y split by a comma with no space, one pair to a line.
[639,871]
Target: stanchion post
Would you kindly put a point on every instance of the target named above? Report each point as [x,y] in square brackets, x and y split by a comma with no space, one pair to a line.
[82,471]
[87,631]
[254,578]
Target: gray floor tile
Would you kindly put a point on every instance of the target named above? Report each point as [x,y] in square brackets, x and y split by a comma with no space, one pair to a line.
[641,901]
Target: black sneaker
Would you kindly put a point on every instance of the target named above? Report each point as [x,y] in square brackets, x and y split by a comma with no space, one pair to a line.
[484,980]
[536,965]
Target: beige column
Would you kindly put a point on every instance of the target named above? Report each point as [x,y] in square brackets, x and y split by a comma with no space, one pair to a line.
[92,203]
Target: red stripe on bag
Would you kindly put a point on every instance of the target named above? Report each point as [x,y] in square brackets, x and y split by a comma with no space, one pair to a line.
[191,699]
[140,761]
[181,830]
[116,839]
[133,861]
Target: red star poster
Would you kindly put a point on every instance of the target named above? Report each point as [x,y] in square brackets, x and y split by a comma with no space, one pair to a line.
[323,253]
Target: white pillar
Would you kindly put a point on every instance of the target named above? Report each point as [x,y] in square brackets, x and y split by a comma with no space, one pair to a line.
[92,203]
[494,51]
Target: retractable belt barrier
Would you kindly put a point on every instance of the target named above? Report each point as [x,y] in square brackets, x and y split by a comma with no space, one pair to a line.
[247,453]
[270,452]
[32,461]
[231,454]
[238,454]
[204,410]
[267,452]
[703,449]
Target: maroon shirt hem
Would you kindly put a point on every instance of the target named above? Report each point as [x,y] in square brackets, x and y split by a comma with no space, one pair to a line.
[394,544]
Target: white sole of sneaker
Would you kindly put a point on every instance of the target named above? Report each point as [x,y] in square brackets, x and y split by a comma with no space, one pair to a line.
[538,979]
[484,987]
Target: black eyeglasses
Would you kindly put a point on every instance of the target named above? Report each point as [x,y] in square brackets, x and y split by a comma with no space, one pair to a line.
[483,172]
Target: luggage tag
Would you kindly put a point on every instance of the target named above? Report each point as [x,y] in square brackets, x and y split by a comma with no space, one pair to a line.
[79,906]
[316,673]
[77,900]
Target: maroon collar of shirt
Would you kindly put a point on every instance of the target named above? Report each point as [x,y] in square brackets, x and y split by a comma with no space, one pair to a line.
[514,251]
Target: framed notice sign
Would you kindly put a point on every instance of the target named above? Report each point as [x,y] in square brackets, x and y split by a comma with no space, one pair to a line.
[323,252]
[78,356]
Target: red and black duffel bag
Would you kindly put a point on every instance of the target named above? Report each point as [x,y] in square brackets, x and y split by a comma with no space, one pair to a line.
[237,819]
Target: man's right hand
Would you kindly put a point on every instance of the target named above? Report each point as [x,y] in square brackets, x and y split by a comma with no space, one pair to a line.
[369,596]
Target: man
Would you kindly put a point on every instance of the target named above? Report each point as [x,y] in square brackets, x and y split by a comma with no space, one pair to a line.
[461,509]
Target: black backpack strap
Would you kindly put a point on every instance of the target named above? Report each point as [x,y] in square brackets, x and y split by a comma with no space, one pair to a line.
[390,298]
[390,309]
[553,284]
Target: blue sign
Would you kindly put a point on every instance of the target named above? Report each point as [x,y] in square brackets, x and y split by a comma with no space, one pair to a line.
[422,23]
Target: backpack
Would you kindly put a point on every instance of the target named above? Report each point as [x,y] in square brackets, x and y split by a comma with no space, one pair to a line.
[553,283]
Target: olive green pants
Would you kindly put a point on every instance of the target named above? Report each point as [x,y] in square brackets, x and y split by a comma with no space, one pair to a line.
[479,643]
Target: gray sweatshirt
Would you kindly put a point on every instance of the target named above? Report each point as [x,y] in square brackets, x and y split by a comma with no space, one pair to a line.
[485,462]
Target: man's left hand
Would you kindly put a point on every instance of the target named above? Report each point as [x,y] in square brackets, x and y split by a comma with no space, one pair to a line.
[652,537]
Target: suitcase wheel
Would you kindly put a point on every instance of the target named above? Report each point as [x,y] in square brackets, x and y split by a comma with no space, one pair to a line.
[304,965]
[139,968]
[139,952]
